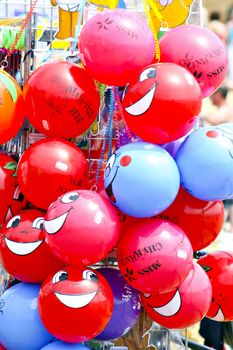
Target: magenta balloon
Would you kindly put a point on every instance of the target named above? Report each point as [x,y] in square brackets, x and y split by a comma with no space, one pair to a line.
[200,51]
[115,44]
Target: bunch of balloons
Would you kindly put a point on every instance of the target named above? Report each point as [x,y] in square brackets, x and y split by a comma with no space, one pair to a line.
[159,201]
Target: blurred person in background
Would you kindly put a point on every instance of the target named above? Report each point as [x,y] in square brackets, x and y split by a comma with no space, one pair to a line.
[217,26]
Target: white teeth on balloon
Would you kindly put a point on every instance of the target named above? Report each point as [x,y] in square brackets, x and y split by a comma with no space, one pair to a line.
[75,301]
[22,248]
[219,316]
[54,225]
[171,308]
[142,105]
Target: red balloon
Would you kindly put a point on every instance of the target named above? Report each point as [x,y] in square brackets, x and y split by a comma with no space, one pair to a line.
[219,268]
[184,306]
[11,198]
[11,107]
[124,220]
[154,256]
[201,220]
[23,251]
[114,45]
[200,51]
[81,227]
[75,304]
[162,102]
[62,99]
[49,168]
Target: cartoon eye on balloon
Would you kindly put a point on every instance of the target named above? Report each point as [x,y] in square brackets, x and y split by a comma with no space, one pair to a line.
[70,197]
[90,275]
[14,222]
[38,223]
[60,276]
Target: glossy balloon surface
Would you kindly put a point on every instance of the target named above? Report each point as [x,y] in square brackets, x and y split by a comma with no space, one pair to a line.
[81,227]
[120,35]
[154,256]
[49,168]
[161,103]
[75,304]
[62,99]
[23,250]
[200,51]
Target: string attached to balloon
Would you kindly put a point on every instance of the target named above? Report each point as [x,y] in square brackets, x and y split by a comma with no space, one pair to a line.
[154,8]
[120,109]
[107,138]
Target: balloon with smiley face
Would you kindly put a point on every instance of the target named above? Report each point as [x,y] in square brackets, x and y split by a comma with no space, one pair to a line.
[141,179]
[23,250]
[205,161]
[11,198]
[184,306]
[162,102]
[81,227]
[75,304]
[154,256]
[219,268]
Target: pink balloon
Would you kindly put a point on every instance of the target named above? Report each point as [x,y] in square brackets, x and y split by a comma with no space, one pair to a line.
[200,51]
[114,45]
[154,256]
[184,306]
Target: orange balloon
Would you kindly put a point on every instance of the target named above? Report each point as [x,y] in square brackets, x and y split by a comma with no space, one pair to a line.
[11,107]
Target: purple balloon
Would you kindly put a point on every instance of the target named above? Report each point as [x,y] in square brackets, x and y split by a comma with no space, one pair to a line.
[126,306]
[173,147]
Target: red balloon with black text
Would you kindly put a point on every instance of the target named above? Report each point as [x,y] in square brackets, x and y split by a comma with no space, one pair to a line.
[24,253]
[75,304]
[11,198]
[49,168]
[219,268]
[202,221]
[184,306]
[199,50]
[161,103]
[154,256]
[62,99]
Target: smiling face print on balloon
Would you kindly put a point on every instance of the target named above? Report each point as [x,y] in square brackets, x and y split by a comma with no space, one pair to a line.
[219,268]
[24,252]
[140,99]
[75,304]
[214,158]
[161,103]
[78,218]
[184,306]
[123,176]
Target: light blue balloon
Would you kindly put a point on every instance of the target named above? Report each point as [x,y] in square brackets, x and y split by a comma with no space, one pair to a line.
[20,324]
[205,161]
[60,345]
[141,179]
